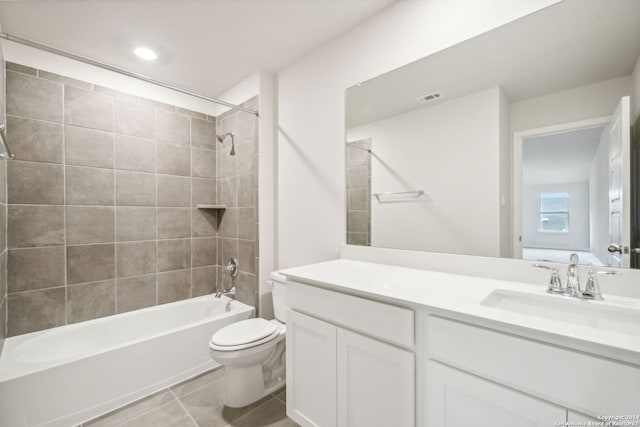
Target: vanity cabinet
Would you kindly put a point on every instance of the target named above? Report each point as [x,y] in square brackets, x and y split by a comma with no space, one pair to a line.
[499,379]
[458,399]
[337,376]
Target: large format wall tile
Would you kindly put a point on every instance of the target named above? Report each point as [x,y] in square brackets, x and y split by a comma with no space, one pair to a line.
[173,128]
[203,192]
[87,147]
[203,134]
[89,186]
[32,226]
[90,224]
[203,281]
[36,268]
[136,258]
[91,301]
[174,191]
[174,223]
[135,119]
[174,286]
[90,263]
[35,140]
[173,159]
[88,109]
[135,223]
[135,189]
[174,254]
[35,310]
[134,293]
[135,154]
[203,163]
[204,251]
[28,96]
[35,183]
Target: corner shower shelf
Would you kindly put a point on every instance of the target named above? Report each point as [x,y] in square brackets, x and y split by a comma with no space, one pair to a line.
[218,207]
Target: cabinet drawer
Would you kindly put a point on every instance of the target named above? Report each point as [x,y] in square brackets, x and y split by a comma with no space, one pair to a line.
[386,322]
[579,381]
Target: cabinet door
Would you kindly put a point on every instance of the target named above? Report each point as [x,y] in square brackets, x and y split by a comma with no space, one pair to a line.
[375,383]
[458,399]
[575,416]
[311,371]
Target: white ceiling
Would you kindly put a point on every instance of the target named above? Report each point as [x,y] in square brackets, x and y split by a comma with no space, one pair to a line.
[560,158]
[204,46]
[566,45]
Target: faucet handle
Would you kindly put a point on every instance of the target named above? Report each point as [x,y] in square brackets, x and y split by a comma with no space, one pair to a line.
[592,288]
[555,284]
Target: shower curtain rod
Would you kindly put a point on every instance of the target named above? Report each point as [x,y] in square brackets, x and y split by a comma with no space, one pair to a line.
[99,64]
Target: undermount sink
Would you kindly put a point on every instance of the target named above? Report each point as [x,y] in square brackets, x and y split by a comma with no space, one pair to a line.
[595,314]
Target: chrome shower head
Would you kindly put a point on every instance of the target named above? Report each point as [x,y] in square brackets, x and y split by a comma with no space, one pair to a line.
[221,139]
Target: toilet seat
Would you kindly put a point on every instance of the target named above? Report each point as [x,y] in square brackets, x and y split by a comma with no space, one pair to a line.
[244,334]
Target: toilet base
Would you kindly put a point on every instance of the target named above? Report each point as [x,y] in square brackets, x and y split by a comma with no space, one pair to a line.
[244,385]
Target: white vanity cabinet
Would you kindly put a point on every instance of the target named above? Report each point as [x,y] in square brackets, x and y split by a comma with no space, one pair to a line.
[339,370]
[482,377]
[458,399]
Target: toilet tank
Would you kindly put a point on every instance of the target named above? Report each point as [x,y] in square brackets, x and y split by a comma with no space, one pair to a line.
[279,296]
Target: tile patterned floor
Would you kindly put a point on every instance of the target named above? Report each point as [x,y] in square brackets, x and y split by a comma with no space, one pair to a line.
[197,403]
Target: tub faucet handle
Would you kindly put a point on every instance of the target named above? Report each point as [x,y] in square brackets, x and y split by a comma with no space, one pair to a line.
[232,267]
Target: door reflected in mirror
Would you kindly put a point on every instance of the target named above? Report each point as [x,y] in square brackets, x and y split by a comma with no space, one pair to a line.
[515,143]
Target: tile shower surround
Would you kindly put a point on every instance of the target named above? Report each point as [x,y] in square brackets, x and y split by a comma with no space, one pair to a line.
[101,201]
[359,193]
[3,222]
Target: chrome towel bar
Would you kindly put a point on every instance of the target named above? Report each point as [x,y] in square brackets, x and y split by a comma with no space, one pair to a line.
[401,196]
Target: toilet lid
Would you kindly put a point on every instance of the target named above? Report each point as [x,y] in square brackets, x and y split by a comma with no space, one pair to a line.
[243,332]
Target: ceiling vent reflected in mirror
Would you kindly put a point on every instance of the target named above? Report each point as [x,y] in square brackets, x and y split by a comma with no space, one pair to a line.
[426,98]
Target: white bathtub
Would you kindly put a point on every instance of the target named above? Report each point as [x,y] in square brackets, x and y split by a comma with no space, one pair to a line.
[66,375]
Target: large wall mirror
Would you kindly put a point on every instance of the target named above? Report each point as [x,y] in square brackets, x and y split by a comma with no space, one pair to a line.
[516,143]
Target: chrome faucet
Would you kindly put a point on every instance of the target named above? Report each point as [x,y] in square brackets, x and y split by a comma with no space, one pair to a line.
[592,287]
[232,270]
[573,280]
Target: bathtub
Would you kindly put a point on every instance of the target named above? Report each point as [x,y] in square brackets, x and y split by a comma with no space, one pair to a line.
[70,374]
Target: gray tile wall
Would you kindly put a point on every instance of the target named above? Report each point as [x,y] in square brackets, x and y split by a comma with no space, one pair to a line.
[3,216]
[237,181]
[101,202]
[359,193]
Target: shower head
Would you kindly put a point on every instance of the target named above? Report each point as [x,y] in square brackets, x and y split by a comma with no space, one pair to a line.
[221,139]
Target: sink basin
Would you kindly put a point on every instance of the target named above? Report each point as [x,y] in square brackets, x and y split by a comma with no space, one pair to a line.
[595,314]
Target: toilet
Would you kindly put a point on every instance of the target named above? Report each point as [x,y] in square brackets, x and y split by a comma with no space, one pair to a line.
[253,352]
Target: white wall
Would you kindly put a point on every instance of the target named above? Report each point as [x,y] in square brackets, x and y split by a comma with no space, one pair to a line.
[584,102]
[311,190]
[578,236]
[451,151]
[598,200]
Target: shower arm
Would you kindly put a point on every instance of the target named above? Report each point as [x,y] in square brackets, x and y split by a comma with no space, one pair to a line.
[221,139]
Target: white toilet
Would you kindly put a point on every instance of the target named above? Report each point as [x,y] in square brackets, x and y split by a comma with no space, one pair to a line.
[252,352]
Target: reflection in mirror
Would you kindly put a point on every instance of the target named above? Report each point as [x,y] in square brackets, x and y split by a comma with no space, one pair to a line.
[518,139]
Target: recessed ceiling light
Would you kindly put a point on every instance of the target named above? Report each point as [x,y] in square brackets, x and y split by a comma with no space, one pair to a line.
[145,53]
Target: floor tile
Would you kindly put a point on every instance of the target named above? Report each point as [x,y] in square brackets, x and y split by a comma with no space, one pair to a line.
[206,405]
[170,414]
[132,410]
[271,414]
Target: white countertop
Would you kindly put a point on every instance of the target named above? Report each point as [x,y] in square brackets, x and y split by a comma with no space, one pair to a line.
[460,297]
